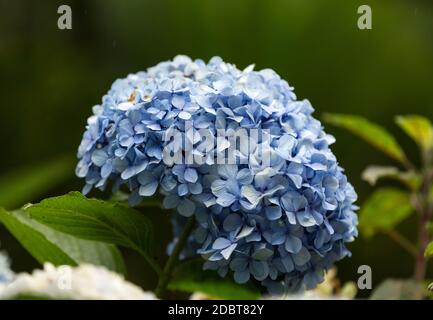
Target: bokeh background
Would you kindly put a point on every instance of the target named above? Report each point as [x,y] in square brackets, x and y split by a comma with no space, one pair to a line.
[50,79]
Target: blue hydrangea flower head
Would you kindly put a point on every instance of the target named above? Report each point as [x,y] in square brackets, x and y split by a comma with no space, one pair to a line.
[281,222]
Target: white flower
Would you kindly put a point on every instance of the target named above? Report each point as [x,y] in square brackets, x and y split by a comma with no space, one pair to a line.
[85,282]
[6,274]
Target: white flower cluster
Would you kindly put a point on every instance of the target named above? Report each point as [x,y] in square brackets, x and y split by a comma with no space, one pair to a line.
[6,274]
[85,282]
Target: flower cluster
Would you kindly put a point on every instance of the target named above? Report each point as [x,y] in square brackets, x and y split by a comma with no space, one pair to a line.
[6,274]
[84,282]
[282,222]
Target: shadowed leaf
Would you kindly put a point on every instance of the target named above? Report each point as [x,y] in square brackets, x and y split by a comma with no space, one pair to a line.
[95,220]
[48,245]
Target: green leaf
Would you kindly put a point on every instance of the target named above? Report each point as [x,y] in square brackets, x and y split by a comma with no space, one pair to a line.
[418,128]
[190,277]
[96,220]
[397,289]
[370,132]
[34,241]
[430,227]
[81,251]
[48,245]
[385,208]
[429,250]
[20,186]
[374,173]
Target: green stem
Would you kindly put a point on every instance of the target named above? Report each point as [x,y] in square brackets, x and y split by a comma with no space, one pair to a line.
[403,242]
[171,262]
[425,213]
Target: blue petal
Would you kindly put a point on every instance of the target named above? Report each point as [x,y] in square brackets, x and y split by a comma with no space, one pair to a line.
[302,257]
[106,169]
[227,252]
[190,175]
[244,176]
[195,188]
[228,171]
[293,244]
[306,219]
[182,190]
[331,183]
[241,277]
[186,208]
[171,201]
[245,232]
[262,253]
[287,264]
[297,180]
[251,194]
[273,213]
[184,115]
[148,189]
[218,187]
[238,264]
[168,183]
[221,243]
[232,222]
[226,199]
[259,270]
[99,157]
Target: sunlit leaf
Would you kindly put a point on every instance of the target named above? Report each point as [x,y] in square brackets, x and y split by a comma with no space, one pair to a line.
[48,245]
[96,220]
[370,132]
[418,128]
[429,250]
[34,241]
[385,209]
[190,277]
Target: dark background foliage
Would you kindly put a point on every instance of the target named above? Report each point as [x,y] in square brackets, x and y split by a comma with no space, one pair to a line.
[50,78]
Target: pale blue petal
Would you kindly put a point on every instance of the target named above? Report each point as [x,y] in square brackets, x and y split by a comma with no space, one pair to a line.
[293,244]
[273,213]
[190,175]
[259,270]
[186,208]
[221,243]
[226,253]
[241,277]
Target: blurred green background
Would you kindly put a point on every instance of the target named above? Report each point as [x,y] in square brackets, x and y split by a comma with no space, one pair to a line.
[50,79]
